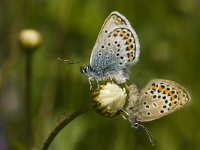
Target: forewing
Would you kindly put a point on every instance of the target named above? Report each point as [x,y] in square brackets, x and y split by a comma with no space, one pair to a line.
[117,44]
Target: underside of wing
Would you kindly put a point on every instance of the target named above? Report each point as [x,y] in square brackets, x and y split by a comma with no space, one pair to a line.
[117,41]
[160,98]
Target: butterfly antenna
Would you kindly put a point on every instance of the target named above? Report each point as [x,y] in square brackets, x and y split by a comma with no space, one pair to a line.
[126,116]
[151,138]
[69,62]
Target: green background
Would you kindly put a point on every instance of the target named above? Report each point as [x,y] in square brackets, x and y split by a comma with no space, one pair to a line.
[169,34]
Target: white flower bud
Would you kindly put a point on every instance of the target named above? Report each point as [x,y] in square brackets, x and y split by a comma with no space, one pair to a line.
[110,98]
[30,39]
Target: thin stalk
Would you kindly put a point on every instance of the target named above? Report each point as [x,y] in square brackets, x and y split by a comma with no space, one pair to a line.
[65,121]
[28,100]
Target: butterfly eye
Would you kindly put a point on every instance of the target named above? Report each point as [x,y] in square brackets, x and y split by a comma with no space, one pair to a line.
[135,125]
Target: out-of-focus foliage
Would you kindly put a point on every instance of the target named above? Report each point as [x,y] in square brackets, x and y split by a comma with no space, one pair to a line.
[169,34]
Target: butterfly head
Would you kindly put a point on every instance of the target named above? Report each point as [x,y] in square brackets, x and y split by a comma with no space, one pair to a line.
[86,70]
[135,125]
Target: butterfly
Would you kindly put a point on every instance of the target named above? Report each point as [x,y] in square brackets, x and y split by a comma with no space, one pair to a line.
[159,98]
[116,47]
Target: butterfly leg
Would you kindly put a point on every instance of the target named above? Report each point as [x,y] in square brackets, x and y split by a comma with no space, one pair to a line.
[109,77]
[97,83]
[124,114]
[93,78]
[89,80]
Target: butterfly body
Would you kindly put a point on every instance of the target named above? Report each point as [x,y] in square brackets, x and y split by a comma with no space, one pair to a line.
[120,76]
[116,48]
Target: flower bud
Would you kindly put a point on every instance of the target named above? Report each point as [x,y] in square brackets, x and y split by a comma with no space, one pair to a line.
[30,39]
[109,98]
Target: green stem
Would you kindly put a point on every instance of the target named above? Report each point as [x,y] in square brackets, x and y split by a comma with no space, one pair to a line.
[28,100]
[65,121]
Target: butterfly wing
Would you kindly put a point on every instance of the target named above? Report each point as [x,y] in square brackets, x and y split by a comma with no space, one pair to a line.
[117,44]
[159,98]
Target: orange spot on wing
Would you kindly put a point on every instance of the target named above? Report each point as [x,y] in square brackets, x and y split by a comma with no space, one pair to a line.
[128,41]
[160,89]
[115,33]
[126,37]
[153,87]
[130,46]
[121,34]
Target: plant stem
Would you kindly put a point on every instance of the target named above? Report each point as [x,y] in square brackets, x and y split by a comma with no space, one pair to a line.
[28,100]
[65,121]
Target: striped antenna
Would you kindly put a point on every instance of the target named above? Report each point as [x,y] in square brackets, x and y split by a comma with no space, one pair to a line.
[136,125]
[68,61]
[151,138]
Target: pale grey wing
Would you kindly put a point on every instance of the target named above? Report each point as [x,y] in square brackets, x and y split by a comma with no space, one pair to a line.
[159,98]
[117,43]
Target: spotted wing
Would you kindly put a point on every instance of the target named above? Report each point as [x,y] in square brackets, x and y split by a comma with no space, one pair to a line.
[159,98]
[117,44]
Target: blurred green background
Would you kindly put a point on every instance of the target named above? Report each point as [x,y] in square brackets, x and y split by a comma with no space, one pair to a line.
[169,34]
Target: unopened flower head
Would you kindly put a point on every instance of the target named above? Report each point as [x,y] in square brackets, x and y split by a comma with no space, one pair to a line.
[30,39]
[109,98]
